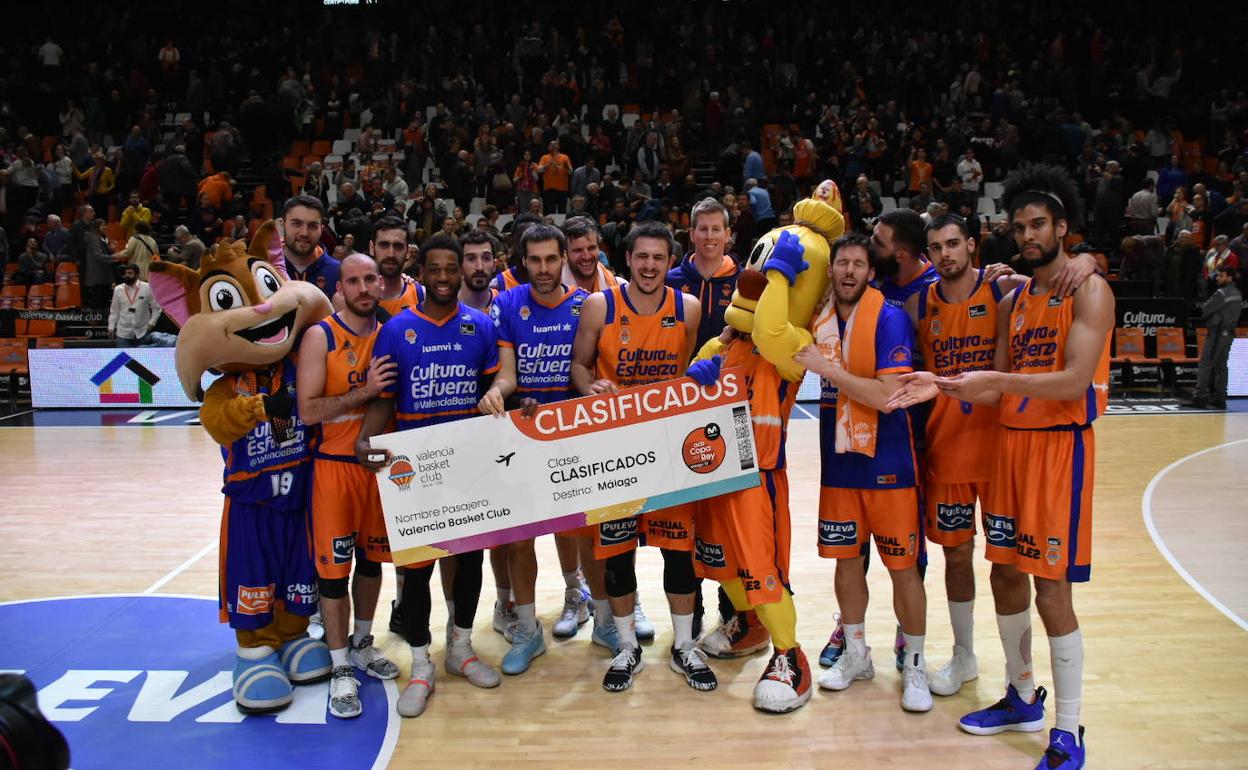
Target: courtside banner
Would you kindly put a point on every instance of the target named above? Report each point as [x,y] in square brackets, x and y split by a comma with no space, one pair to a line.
[488,481]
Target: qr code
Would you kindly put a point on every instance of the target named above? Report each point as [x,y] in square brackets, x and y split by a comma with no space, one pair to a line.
[745,443]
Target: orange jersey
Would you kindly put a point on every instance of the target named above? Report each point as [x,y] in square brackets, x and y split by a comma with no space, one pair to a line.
[771,401]
[956,338]
[346,368]
[412,295]
[1039,327]
[635,349]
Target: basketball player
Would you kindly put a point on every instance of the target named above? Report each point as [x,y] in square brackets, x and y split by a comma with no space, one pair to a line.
[337,378]
[514,275]
[583,268]
[536,328]
[1050,380]
[869,480]
[420,341]
[637,335]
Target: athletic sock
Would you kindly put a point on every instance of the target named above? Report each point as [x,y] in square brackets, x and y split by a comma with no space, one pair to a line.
[571,580]
[461,639]
[682,630]
[339,657]
[1016,641]
[626,627]
[526,615]
[504,594]
[602,611]
[420,656]
[914,650]
[362,629]
[962,618]
[1066,656]
[856,638]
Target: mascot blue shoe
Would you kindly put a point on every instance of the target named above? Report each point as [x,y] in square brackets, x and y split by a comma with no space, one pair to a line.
[261,686]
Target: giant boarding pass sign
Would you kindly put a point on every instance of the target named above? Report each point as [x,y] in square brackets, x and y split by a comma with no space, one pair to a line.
[489,481]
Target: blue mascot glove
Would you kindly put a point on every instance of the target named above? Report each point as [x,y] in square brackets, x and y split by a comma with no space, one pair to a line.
[706,371]
[786,257]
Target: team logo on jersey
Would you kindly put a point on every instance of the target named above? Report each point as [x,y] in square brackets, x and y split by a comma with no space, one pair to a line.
[616,532]
[352,359]
[1000,531]
[836,533]
[726,290]
[625,336]
[899,355]
[977,311]
[1018,322]
[624,319]
[935,327]
[710,554]
[525,312]
[668,321]
[1054,553]
[955,517]
[320,282]
[255,600]
[410,336]
[467,329]
[344,549]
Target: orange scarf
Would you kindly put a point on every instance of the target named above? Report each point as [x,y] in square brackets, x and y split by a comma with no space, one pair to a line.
[857,425]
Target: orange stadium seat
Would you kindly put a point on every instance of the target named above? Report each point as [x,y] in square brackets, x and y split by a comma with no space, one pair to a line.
[42,296]
[66,272]
[1172,350]
[1139,371]
[50,342]
[321,147]
[13,297]
[9,270]
[68,295]
[300,147]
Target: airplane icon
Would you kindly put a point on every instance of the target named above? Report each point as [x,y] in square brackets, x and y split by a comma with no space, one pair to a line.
[505,459]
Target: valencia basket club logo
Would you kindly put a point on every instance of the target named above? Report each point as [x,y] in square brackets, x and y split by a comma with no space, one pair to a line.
[402,472]
[704,449]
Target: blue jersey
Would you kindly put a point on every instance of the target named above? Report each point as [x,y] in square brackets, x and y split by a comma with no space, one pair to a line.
[323,272]
[715,293]
[893,466]
[440,364]
[542,337]
[257,470]
[896,295]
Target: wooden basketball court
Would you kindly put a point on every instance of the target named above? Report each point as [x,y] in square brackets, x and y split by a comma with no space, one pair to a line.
[132,510]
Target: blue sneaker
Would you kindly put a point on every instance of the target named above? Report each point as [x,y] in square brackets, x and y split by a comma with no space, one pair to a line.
[261,686]
[835,646]
[1009,713]
[606,635]
[306,660]
[1064,753]
[524,648]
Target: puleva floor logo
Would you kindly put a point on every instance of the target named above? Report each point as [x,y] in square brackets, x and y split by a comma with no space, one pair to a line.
[138,681]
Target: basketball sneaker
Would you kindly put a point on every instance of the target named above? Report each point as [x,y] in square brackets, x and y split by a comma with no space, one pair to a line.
[575,613]
[504,618]
[316,628]
[344,693]
[606,635]
[524,648]
[785,684]
[627,664]
[461,660]
[847,669]
[963,667]
[1009,713]
[645,629]
[369,659]
[835,646]
[691,662]
[1064,752]
[743,634]
[415,696]
[916,696]
[396,618]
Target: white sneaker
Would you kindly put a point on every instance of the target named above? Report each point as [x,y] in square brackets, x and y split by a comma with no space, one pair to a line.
[963,667]
[316,628]
[915,694]
[344,693]
[575,613]
[415,696]
[645,629]
[464,662]
[504,619]
[847,669]
[369,659]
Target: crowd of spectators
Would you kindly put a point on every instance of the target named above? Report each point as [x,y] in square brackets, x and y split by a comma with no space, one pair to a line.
[117,116]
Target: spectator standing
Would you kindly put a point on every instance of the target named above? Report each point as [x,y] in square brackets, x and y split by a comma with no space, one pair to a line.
[1142,210]
[970,171]
[133,312]
[1220,314]
[555,169]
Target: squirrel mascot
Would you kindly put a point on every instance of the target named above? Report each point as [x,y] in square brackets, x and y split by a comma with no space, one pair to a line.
[241,316]
[742,539]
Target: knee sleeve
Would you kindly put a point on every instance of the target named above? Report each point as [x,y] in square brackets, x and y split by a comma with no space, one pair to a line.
[621,574]
[366,568]
[678,574]
[333,588]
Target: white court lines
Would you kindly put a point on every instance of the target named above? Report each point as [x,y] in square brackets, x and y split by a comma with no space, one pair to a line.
[1161,545]
[178,570]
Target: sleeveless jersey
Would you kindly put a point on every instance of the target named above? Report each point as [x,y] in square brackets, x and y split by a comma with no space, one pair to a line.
[506,280]
[956,338]
[440,364]
[771,401]
[257,470]
[542,337]
[1039,327]
[896,295]
[412,295]
[635,349]
[346,368]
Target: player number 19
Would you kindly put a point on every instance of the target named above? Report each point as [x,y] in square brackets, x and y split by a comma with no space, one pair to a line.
[282,482]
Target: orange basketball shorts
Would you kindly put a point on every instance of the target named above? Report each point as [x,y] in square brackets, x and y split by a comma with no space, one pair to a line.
[951,511]
[849,518]
[746,535]
[346,515]
[670,528]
